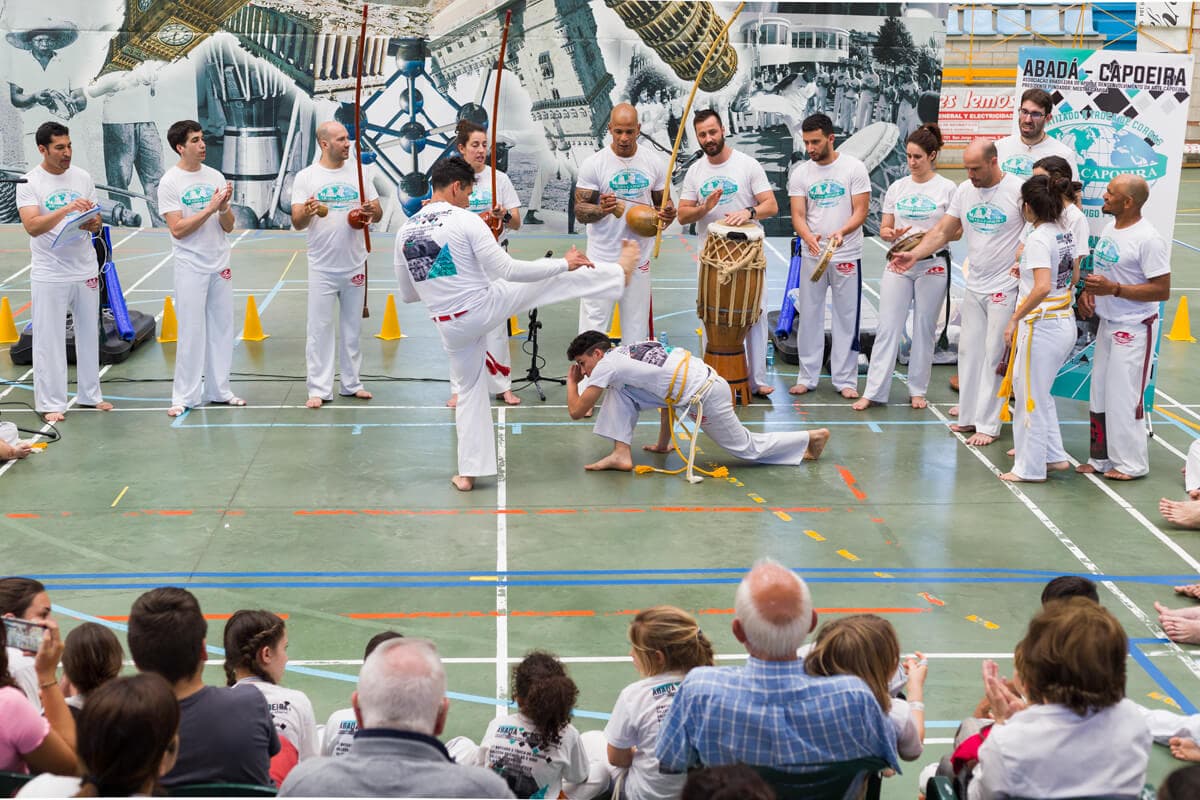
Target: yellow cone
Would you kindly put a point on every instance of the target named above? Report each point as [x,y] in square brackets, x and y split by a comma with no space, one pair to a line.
[514,326]
[169,331]
[252,328]
[1181,328]
[390,330]
[8,326]
[614,331]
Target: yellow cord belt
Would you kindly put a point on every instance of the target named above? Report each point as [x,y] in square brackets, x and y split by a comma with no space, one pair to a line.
[1044,311]
[695,405]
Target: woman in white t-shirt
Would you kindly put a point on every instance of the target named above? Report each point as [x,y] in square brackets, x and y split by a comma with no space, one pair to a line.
[866,645]
[502,213]
[667,642]
[1041,330]
[913,203]
[256,653]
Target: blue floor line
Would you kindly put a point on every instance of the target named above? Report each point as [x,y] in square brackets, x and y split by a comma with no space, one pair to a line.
[1165,683]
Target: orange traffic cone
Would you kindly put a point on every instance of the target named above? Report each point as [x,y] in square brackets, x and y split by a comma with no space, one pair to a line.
[169,330]
[390,330]
[614,331]
[252,328]
[1181,327]
[8,326]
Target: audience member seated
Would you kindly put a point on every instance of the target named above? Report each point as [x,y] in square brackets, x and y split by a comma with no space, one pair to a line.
[537,750]
[1182,784]
[401,706]
[731,782]
[27,739]
[24,598]
[128,739]
[1065,587]
[256,655]
[341,726]
[866,645]
[92,657]
[666,644]
[225,734]
[798,720]
[1076,735]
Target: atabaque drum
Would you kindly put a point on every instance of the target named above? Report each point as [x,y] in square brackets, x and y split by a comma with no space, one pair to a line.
[733,277]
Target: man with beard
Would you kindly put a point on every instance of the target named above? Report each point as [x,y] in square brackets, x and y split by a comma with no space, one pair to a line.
[1018,151]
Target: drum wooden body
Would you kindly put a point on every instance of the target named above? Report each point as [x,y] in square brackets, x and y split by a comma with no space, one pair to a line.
[733,277]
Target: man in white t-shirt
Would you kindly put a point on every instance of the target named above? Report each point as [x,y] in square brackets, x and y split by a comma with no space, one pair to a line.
[730,187]
[337,257]
[63,279]
[610,182]
[447,258]
[1017,152]
[987,208]
[1131,276]
[648,375]
[194,201]
[830,194]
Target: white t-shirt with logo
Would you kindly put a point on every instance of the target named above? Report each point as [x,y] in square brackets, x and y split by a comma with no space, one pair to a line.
[632,180]
[70,261]
[292,713]
[739,177]
[333,246]
[1017,158]
[992,224]
[828,191]
[918,205]
[339,732]
[205,249]
[514,750]
[636,720]
[647,370]
[1130,255]
[1049,246]
[481,195]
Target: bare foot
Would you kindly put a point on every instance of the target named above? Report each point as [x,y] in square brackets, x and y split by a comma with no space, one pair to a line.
[1013,477]
[917,401]
[762,390]
[1184,749]
[175,411]
[1012,452]
[863,403]
[363,394]
[849,393]
[103,405]
[628,259]
[1192,590]
[1181,630]
[314,402]
[54,416]
[954,383]
[1194,494]
[654,448]
[953,411]
[1181,512]
[980,440]
[800,388]
[1085,469]
[615,461]
[1191,612]
[817,439]
[1117,475]
[963,428]
[1057,466]
[464,483]
[508,397]
[453,401]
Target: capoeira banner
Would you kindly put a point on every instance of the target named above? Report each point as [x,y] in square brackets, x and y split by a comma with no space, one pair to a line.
[1121,112]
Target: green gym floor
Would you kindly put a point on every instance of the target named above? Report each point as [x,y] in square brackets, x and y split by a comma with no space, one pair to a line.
[344,519]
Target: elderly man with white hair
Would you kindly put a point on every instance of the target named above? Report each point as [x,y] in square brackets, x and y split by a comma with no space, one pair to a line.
[770,712]
[401,707]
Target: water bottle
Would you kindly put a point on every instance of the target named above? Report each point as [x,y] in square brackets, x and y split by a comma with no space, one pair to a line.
[770,352]
[663,340]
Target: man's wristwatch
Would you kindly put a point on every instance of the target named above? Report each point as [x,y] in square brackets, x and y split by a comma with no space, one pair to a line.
[507,218]
[753,211]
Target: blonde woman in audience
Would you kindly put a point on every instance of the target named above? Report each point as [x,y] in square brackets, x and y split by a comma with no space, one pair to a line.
[866,645]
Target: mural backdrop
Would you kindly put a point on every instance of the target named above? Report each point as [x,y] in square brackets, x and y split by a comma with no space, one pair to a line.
[259,75]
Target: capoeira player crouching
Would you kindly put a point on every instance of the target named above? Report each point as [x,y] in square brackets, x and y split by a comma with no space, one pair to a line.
[649,375]
[447,259]
[62,278]
[337,255]
[194,200]
[1131,275]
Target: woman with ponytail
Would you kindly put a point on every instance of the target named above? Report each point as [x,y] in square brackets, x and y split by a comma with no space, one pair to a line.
[256,654]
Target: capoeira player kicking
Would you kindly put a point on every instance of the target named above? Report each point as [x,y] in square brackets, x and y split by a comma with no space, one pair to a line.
[649,375]
[448,259]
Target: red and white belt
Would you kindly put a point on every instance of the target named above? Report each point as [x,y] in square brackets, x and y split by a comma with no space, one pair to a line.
[448,317]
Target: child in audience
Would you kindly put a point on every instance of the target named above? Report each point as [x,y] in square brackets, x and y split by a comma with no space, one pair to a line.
[537,750]
[91,658]
[866,645]
[338,734]
[667,642]
[256,654]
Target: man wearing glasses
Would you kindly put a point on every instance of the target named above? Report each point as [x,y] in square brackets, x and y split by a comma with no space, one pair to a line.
[1019,151]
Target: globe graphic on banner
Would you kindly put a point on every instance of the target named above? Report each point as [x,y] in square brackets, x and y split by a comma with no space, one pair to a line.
[1103,152]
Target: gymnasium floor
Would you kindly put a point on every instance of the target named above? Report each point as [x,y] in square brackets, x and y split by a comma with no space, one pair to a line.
[344,519]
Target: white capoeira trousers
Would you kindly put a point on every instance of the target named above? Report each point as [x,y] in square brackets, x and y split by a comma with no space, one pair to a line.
[618,416]
[465,340]
[595,315]
[498,348]
[1042,349]
[980,348]
[1191,471]
[204,354]
[51,302]
[1118,381]
[328,291]
[845,280]
[925,291]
